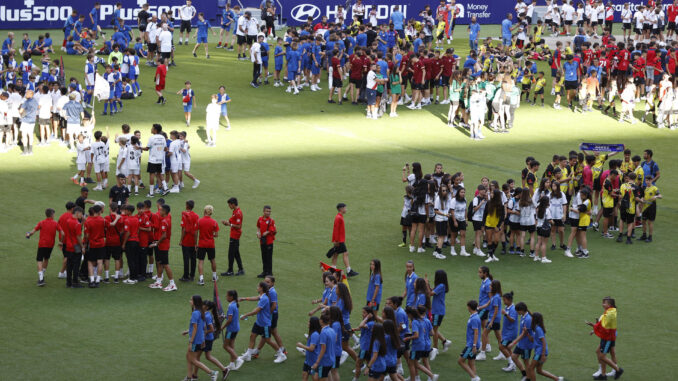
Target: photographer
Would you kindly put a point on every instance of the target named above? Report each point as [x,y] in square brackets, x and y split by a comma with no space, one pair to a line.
[119,193]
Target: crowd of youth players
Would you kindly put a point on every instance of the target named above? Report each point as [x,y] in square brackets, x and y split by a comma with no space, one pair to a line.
[576,190]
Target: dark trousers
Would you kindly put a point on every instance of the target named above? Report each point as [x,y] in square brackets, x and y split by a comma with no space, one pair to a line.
[234,254]
[267,258]
[132,252]
[256,71]
[142,261]
[72,266]
[188,253]
[84,269]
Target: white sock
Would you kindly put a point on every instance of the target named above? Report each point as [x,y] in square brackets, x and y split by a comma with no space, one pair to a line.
[171,283]
[91,279]
[107,274]
[348,269]
[136,188]
[201,278]
[150,189]
[164,184]
[129,188]
[463,248]
[159,280]
[181,39]
[40,275]
[214,275]
[98,279]
[117,274]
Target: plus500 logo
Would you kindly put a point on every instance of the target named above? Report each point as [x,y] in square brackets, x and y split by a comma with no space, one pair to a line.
[36,13]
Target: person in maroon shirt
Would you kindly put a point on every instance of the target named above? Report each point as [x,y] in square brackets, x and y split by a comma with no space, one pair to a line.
[208,230]
[160,74]
[163,246]
[339,240]
[95,236]
[189,240]
[114,226]
[355,74]
[73,247]
[145,238]
[447,63]
[266,232]
[63,219]
[337,75]
[48,229]
[156,222]
[418,71]
[130,241]
[235,222]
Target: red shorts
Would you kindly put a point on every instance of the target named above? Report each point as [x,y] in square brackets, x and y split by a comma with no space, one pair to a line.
[160,87]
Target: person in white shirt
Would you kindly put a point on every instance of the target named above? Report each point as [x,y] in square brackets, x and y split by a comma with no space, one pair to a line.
[477,113]
[530,12]
[186,162]
[548,15]
[186,13]
[44,114]
[252,30]
[152,31]
[100,159]
[83,149]
[520,8]
[627,18]
[640,22]
[175,160]
[568,13]
[600,12]
[255,57]
[156,148]
[371,91]
[241,30]
[373,17]
[133,163]
[164,41]
[4,122]
[212,116]
[120,165]
[358,10]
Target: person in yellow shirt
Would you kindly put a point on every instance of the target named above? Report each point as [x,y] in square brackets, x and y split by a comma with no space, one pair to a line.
[526,84]
[494,218]
[584,210]
[638,170]
[629,196]
[626,165]
[650,196]
[539,88]
[558,88]
[608,196]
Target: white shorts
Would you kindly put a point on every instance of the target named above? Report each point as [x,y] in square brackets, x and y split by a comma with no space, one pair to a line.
[101,167]
[88,157]
[175,166]
[133,171]
[186,166]
[81,166]
[121,171]
[27,128]
[72,128]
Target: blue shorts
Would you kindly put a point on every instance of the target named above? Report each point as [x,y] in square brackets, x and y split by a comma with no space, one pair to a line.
[118,93]
[291,75]
[196,347]
[111,94]
[416,355]
[88,88]
[132,75]
[202,39]
[606,346]
[315,70]
[467,353]
[323,371]
[306,63]
[230,335]
[265,332]
[522,353]
[224,111]
[506,41]
[437,320]
[539,356]
[188,108]
[278,65]
[371,97]
[264,63]
[226,27]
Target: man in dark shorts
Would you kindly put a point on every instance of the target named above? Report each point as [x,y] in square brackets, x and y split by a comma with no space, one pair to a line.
[186,13]
[339,240]
[156,148]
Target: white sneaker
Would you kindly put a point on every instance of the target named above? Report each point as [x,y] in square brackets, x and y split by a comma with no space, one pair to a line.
[289,90]
[509,368]
[61,276]
[489,259]
[568,253]
[238,363]
[344,356]
[171,287]
[500,356]
[435,377]
[434,353]
[196,183]
[598,372]
[463,253]
[478,252]
[296,91]
[155,285]
[488,348]
[545,260]
[476,378]
[175,189]
[421,250]
[245,357]
[281,358]
[481,356]
[610,373]
[452,252]
[301,350]
[98,188]
[446,345]
[129,281]
[214,376]
[439,256]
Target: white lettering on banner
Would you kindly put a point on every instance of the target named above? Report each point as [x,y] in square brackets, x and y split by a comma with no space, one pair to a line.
[131,14]
[384,11]
[479,11]
[37,13]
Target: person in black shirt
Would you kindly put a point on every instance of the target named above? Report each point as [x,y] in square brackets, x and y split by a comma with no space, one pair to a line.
[142,20]
[119,193]
[82,200]
[371,34]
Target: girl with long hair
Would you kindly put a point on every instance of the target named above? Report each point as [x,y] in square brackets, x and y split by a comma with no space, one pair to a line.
[543,218]
[437,292]
[494,219]
[421,291]
[402,326]
[262,325]
[375,285]
[527,221]
[419,349]
[606,329]
[509,331]
[441,208]
[311,349]
[231,325]
[393,345]
[458,221]
[494,320]
[196,340]
[329,296]
[376,366]
[522,345]
[212,330]
[345,305]
[483,306]
[410,277]
[558,208]
[541,350]
[365,329]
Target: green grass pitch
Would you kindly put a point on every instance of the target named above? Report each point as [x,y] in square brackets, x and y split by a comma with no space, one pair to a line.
[302,156]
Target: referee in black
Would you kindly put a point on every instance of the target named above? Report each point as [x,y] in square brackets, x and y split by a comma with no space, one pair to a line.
[119,193]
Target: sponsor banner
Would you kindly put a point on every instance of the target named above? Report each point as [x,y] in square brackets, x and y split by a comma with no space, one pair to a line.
[601,147]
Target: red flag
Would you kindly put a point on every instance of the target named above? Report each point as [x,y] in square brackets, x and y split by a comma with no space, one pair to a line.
[338,273]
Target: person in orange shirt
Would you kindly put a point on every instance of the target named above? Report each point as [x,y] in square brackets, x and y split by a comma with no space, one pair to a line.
[592,89]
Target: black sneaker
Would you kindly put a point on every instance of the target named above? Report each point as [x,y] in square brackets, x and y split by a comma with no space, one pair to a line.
[619,239]
[141,279]
[564,247]
[184,279]
[628,241]
[352,273]
[642,237]
[89,180]
[107,281]
[600,377]
[195,55]
[330,101]
[41,282]
[116,281]
[227,273]
[262,275]
[553,247]
[225,373]
[91,285]
[240,272]
[165,192]
[649,239]
[618,373]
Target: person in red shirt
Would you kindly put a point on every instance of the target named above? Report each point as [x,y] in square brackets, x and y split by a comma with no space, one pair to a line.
[337,75]
[623,62]
[63,219]
[638,69]
[447,64]
[73,247]
[145,239]
[155,233]
[355,74]
[266,232]
[162,253]
[418,71]
[160,74]
[48,229]
[95,236]
[189,240]
[671,13]
[130,241]
[208,229]
[339,240]
[114,226]
[235,222]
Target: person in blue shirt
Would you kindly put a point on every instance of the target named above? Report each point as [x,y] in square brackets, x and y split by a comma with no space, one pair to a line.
[395,302]
[468,354]
[68,26]
[410,278]
[509,331]
[337,326]
[48,43]
[317,55]
[262,326]
[293,66]
[232,327]
[381,40]
[393,345]
[223,99]
[211,327]
[119,38]
[376,365]
[507,30]
[420,347]
[374,286]
[118,88]
[345,305]
[312,347]
[361,38]
[126,31]
[326,357]
[77,27]
[227,24]
[523,344]
[8,44]
[29,112]
[571,69]
[650,167]
[265,49]
[418,42]
[421,293]
[398,20]
[494,318]
[273,298]
[196,338]
[202,26]
[329,296]
[25,44]
[541,351]
[187,99]
[115,20]
[437,293]
[94,19]
[473,32]
[365,329]
[278,54]
[484,301]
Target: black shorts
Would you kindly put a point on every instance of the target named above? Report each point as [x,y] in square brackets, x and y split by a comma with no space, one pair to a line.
[445,81]
[647,26]
[528,228]
[185,26]
[336,83]
[628,217]
[154,168]
[417,86]
[165,55]
[467,353]
[431,84]
[418,219]
[672,25]
[461,226]
[637,31]
[558,222]
[208,346]
[113,251]
[437,320]
[142,28]
[496,326]
[418,355]
[545,234]
[526,86]
[596,184]
[206,250]
[406,221]
[582,228]
[539,92]
[251,39]
[607,212]
[91,255]
[274,320]
[340,248]
[574,222]
[638,80]
[356,82]
[523,353]
[477,225]
[152,48]
[627,26]
[568,22]
[483,314]
[241,40]
[376,375]
[441,228]
[346,332]
[230,335]
[606,346]
[265,332]
[162,257]
[650,213]
[571,85]
[43,253]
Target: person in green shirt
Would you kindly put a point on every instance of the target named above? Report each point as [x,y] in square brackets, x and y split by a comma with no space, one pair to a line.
[455,96]
[115,54]
[395,81]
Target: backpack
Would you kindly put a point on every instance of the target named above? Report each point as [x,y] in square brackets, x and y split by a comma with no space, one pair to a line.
[469,210]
